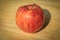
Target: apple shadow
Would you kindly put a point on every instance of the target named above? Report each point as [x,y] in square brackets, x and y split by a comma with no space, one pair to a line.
[47,19]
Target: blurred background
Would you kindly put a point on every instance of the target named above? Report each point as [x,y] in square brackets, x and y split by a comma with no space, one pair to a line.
[9,29]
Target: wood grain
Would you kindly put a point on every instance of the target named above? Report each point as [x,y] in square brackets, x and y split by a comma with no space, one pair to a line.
[10,31]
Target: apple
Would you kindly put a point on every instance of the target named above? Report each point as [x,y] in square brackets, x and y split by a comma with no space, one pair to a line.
[30,18]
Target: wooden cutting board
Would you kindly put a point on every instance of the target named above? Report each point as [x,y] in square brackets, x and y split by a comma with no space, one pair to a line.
[10,31]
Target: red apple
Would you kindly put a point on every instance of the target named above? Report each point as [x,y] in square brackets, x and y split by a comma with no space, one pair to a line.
[30,18]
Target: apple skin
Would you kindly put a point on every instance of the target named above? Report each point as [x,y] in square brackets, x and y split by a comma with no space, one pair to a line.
[30,18]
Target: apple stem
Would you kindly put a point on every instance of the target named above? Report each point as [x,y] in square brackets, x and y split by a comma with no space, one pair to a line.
[33,6]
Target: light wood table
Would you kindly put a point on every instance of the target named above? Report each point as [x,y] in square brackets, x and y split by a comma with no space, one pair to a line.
[9,29]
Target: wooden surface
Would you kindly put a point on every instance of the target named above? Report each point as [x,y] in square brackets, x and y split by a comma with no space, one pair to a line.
[10,31]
